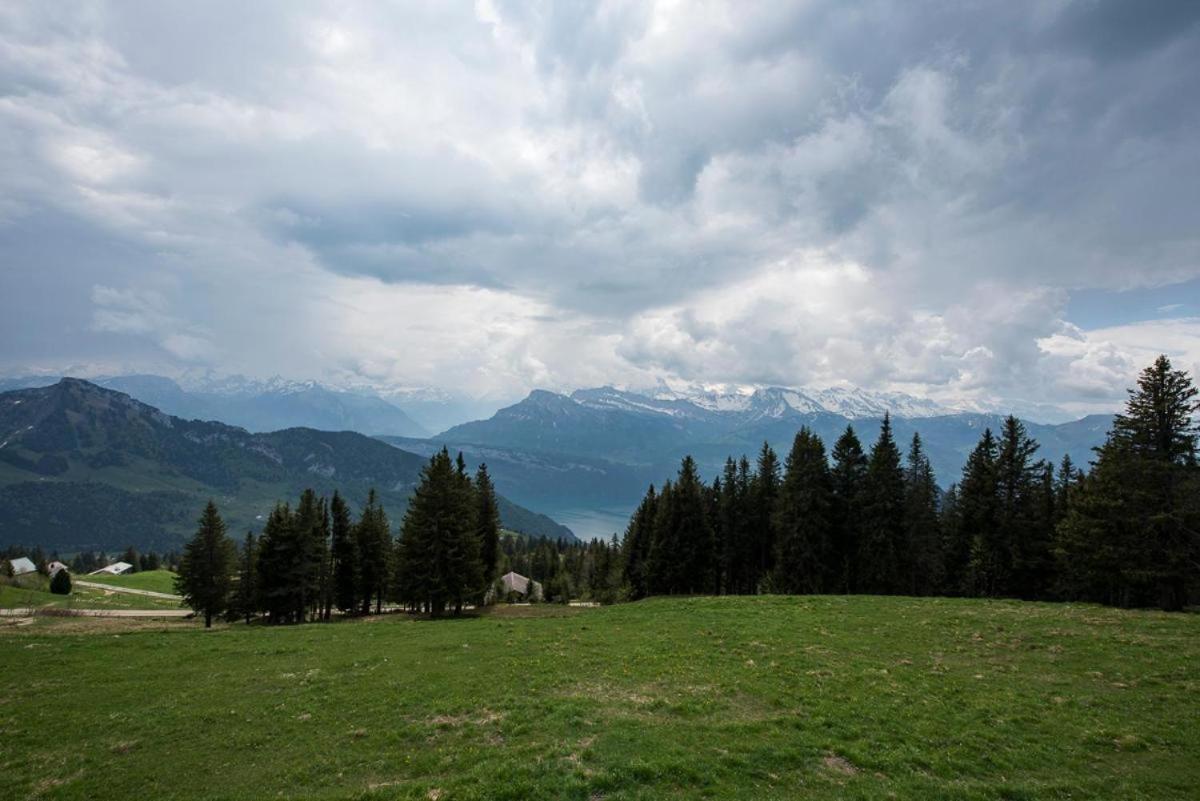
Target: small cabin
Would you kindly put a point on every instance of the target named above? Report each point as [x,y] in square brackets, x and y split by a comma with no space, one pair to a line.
[115,569]
[22,566]
[517,584]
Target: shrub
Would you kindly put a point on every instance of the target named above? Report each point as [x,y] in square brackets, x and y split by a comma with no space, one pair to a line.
[61,583]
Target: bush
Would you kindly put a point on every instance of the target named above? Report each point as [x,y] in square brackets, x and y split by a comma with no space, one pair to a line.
[61,583]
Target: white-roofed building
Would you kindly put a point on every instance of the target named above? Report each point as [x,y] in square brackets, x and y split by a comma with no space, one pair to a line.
[54,567]
[115,569]
[512,582]
[22,566]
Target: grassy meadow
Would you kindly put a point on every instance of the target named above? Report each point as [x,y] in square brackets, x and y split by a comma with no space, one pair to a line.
[721,698]
[153,580]
[33,591]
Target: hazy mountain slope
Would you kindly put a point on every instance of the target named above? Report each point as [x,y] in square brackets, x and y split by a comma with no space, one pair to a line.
[259,406]
[650,433]
[83,466]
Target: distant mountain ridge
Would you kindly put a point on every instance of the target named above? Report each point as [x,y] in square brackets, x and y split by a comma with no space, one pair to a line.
[638,438]
[259,406]
[82,466]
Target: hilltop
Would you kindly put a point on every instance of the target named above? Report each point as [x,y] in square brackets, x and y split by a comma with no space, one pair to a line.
[85,467]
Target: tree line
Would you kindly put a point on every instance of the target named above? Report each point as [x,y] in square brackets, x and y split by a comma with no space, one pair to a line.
[875,522]
[847,521]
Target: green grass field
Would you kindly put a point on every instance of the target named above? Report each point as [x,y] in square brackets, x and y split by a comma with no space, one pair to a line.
[738,698]
[153,580]
[34,591]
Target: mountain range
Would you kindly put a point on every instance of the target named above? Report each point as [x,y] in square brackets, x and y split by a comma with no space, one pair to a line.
[83,466]
[258,406]
[564,450]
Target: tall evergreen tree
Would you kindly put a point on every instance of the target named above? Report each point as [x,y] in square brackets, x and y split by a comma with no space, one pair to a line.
[347,566]
[1020,550]
[374,540]
[439,547]
[882,532]
[638,536]
[847,477]
[922,529]
[682,553]
[279,566]
[245,597]
[206,570]
[764,495]
[1130,537]
[487,525]
[803,518]
[978,518]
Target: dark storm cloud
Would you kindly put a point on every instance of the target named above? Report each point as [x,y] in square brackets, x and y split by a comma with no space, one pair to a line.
[890,193]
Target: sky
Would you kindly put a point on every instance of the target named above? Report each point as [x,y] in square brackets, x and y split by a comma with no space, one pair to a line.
[977,202]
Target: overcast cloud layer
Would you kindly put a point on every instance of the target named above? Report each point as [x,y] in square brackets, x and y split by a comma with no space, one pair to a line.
[488,198]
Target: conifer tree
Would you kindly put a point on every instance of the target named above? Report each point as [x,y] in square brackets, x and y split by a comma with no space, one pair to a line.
[973,553]
[245,597]
[487,525]
[60,584]
[847,479]
[682,555]
[1019,553]
[347,567]
[803,518]
[205,572]
[279,563]
[764,494]
[638,536]
[1130,537]
[882,532]
[439,547]
[375,552]
[922,530]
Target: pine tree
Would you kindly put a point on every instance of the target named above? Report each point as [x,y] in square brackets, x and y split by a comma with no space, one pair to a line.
[375,552]
[279,562]
[973,554]
[439,546]
[1131,534]
[487,525]
[205,572]
[638,536]
[764,495]
[245,598]
[847,478]
[347,565]
[732,530]
[882,532]
[60,584]
[803,524]
[682,554]
[1020,551]
[132,558]
[922,530]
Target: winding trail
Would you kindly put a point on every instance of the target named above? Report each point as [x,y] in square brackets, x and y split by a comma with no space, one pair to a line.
[113,588]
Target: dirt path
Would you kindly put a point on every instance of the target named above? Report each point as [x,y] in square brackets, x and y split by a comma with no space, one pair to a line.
[148,593]
[58,611]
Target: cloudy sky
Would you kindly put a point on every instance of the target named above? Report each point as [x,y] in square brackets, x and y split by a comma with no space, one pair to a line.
[974,201]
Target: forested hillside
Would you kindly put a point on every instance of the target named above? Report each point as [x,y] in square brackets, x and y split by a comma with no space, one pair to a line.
[84,467]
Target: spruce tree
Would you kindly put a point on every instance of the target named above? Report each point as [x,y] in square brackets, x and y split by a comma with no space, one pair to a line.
[1020,551]
[245,597]
[487,526]
[683,556]
[439,547]
[1131,535]
[803,525]
[375,549]
[638,536]
[882,531]
[205,572]
[847,478]
[764,495]
[279,562]
[60,584]
[972,556]
[347,567]
[922,529]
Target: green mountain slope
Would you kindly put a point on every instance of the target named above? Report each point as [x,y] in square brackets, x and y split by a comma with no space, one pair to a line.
[86,467]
